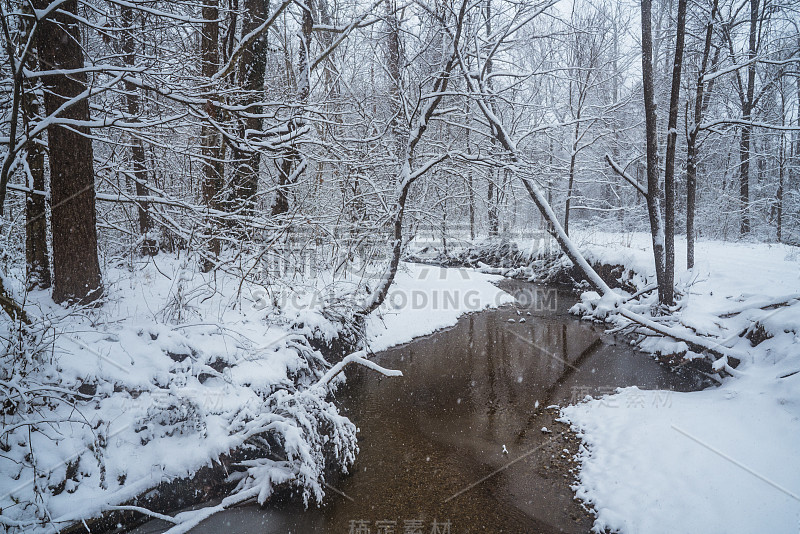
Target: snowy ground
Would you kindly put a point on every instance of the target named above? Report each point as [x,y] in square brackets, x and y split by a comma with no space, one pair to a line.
[718,461]
[426,298]
[177,368]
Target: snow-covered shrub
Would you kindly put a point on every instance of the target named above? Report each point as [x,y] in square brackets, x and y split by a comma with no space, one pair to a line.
[179,307]
[172,416]
[295,437]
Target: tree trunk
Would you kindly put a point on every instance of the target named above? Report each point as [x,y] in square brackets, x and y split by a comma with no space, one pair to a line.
[290,165]
[252,74]
[691,142]
[779,192]
[571,183]
[406,178]
[37,257]
[149,246]
[491,195]
[747,110]
[76,268]
[36,254]
[669,164]
[470,181]
[653,197]
[210,139]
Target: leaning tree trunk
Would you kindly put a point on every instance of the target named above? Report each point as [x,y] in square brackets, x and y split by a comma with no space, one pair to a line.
[406,177]
[653,198]
[76,269]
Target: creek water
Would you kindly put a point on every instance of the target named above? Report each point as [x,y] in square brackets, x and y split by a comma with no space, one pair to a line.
[464,441]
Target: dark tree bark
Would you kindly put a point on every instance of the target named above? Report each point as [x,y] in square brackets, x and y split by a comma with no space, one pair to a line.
[669,164]
[571,183]
[76,269]
[36,254]
[252,73]
[700,103]
[653,197]
[149,246]
[37,258]
[394,60]
[210,138]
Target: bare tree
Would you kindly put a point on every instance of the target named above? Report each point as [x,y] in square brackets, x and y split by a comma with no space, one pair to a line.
[700,104]
[149,246]
[669,164]
[653,197]
[251,76]
[292,163]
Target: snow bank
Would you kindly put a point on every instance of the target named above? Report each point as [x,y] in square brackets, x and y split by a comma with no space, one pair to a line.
[176,369]
[721,460]
[425,298]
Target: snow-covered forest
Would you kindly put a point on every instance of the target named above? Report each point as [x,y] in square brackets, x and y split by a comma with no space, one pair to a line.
[212,213]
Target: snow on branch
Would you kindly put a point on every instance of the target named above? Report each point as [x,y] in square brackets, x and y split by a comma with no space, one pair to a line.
[356,357]
[631,180]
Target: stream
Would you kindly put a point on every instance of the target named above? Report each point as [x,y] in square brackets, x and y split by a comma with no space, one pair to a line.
[464,441]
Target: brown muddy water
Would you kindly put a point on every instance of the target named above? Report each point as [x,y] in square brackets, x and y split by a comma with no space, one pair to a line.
[458,444]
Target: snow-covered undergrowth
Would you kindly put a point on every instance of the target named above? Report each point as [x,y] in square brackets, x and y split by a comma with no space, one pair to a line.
[720,460]
[173,371]
[178,370]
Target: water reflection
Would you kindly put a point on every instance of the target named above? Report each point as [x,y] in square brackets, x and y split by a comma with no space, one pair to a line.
[471,401]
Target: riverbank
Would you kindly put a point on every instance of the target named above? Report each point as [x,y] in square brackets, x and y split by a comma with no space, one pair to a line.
[721,460]
[469,436]
[717,461]
[159,398]
[176,369]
